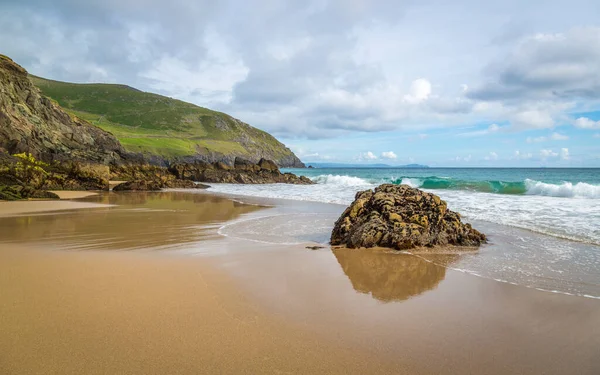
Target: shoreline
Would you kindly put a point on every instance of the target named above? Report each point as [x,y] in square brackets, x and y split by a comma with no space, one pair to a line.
[334,311]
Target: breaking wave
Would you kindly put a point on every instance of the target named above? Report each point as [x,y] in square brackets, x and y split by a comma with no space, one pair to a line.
[527,187]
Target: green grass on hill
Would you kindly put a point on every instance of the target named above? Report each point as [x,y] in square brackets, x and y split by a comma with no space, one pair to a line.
[154,124]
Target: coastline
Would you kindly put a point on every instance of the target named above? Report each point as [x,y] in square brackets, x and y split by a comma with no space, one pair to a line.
[270,307]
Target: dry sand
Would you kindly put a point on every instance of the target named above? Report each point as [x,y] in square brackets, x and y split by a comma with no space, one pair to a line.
[72,194]
[112,184]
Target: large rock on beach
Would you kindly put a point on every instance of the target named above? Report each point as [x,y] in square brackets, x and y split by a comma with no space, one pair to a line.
[401,217]
[139,185]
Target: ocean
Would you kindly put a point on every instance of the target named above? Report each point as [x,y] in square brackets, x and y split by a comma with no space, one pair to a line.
[543,223]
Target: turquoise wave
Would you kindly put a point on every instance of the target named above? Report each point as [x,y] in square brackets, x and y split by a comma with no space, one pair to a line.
[497,187]
[527,187]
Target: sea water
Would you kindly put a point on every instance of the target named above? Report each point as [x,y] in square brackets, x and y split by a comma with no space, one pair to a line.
[543,224]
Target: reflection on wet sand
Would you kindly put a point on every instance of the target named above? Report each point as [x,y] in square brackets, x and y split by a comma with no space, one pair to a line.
[140,221]
[389,276]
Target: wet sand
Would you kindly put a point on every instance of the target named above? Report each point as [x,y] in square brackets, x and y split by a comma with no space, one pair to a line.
[184,299]
[117,313]
[32,207]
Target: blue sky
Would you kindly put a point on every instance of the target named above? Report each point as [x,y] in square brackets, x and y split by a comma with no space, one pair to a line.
[462,83]
[468,146]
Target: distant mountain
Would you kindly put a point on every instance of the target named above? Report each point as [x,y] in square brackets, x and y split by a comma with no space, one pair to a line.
[163,128]
[343,165]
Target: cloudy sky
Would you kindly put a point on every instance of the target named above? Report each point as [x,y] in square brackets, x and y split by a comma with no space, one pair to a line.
[445,83]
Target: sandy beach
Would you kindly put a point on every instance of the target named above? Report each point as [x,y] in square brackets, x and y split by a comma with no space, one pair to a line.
[31,207]
[67,194]
[175,282]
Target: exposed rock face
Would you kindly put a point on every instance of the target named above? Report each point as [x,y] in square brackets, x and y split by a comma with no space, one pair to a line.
[133,172]
[268,165]
[146,177]
[401,217]
[185,184]
[77,176]
[242,172]
[22,176]
[12,189]
[156,185]
[139,185]
[30,122]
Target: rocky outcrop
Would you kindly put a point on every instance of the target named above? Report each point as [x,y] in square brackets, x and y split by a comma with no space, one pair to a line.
[242,172]
[156,185]
[133,172]
[21,181]
[12,189]
[77,176]
[146,177]
[401,217]
[32,123]
[268,165]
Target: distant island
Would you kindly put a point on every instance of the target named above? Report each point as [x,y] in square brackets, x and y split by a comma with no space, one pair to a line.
[343,165]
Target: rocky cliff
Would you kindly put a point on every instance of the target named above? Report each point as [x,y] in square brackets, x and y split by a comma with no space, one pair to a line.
[30,122]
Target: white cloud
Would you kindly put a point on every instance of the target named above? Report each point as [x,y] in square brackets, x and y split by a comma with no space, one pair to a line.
[547,153]
[315,155]
[563,154]
[559,137]
[493,128]
[420,90]
[546,67]
[597,135]
[532,119]
[492,156]
[554,137]
[586,123]
[463,158]
[210,81]
[388,155]
[536,139]
[326,69]
[523,156]
[367,156]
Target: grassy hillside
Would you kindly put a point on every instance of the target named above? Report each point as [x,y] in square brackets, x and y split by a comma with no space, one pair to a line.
[157,125]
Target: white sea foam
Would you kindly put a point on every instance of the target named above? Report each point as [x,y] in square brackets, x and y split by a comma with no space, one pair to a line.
[565,190]
[539,260]
[412,182]
[340,180]
[575,219]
